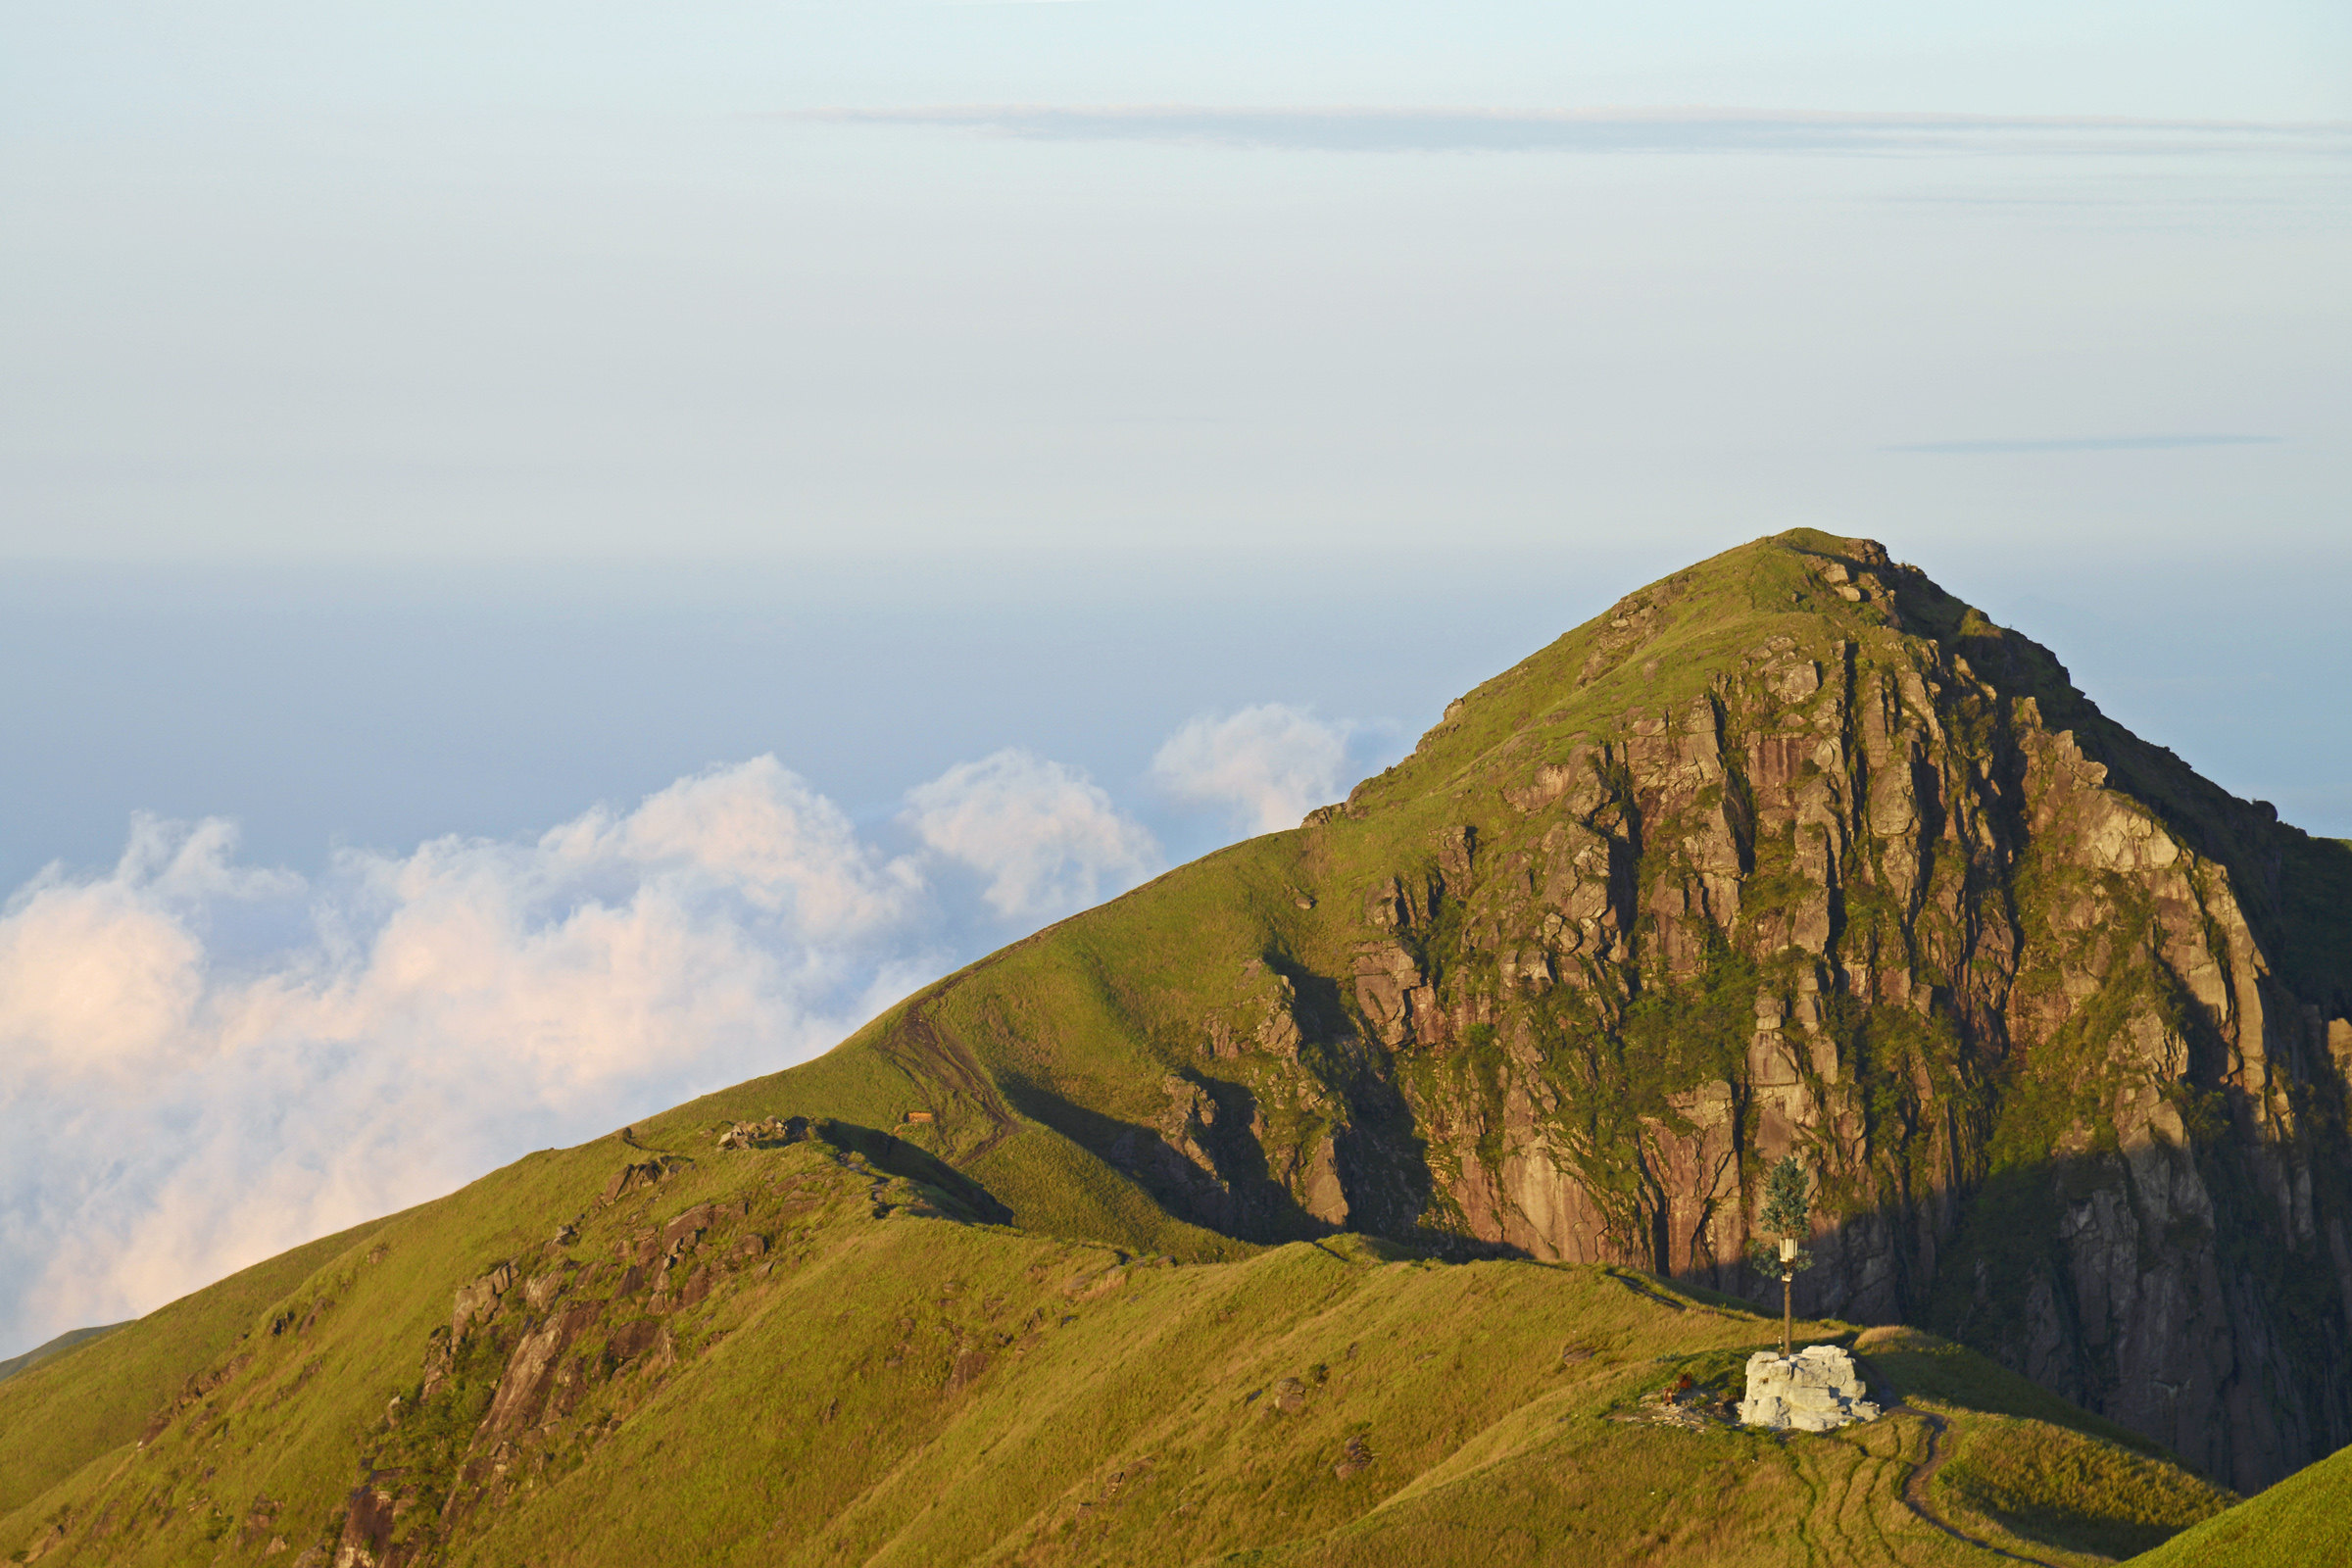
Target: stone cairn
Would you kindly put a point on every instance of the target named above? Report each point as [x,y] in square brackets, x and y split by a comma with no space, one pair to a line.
[1816,1390]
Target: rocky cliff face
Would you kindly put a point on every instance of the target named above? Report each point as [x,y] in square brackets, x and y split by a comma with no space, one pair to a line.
[2061,1027]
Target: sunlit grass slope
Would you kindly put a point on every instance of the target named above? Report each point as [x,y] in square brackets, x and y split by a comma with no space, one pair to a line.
[972,1304]
[2307,1518]
[51,1350]
[805,1353]
[57,1416]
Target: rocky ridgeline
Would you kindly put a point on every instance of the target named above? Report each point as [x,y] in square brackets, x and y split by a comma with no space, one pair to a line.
[546,1356]
[773,1133]
[2061,1027]
[1816,1390]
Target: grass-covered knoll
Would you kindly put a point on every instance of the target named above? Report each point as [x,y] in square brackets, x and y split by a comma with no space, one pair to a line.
[2018,1461]
[51,1350]
[796,1353]
[2307,1518]
[58,1416]
[1790,853]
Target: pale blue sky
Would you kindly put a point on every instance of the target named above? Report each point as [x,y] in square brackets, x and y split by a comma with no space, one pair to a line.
[548,281]
[1062,436]
[2198,59]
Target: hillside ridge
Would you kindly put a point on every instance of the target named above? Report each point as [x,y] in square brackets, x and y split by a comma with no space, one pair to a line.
[1790,853]
[778,1342]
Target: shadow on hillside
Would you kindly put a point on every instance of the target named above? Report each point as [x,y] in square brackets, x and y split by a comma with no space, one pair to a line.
[1384,1162]
[2002,1278]
[1382,1158]
[902,1158]
[1241,1199]
[1320,1008]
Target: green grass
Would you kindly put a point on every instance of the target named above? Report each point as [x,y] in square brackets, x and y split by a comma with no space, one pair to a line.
[2042,1483]
[863,1384]
[1055,1187]
[2307,1518]
[1101,1376]
[51,1350]
[58,1416]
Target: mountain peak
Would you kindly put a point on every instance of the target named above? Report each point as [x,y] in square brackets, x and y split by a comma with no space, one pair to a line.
[1787,853]
[1792,598]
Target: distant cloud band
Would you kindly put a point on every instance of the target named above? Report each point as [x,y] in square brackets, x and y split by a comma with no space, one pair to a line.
[2108,443]
[1606,130]
[1265,767]
[183,1107]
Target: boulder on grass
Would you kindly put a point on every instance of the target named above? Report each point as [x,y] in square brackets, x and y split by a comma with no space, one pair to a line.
[1816,1390]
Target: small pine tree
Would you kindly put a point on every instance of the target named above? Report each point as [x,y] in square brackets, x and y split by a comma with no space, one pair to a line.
[1786,1215]
[1788,1201]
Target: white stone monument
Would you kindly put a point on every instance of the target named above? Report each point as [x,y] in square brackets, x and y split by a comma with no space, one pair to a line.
[1816,1390]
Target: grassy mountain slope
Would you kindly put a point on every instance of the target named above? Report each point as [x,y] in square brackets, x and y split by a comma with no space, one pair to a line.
[60,1415]
[2307,1518]
[798,1353]
[1329,1199]
[51,1350]
[1788,852]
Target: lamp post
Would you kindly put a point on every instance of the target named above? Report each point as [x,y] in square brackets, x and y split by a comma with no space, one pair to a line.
[1787,1309]
[1785,1210]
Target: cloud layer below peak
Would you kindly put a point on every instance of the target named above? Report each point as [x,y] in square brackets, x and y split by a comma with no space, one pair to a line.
[212,1062]
[1264,768]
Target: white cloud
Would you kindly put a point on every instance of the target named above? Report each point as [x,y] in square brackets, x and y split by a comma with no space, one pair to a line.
[176,861]
[758,828]
[105,977]
[94,978]
[206,1062]
[1046,838]
[434,1013]
[1266,767]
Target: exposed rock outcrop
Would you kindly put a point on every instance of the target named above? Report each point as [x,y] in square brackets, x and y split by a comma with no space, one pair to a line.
[2062,1028]
[773,1133]
[1816,1390]
[1792,852]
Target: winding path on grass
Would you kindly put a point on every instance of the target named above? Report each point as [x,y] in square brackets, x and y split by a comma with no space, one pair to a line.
[1915,1489]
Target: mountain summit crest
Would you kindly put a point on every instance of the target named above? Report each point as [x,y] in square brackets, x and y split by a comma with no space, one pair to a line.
[1236,1214]
[1790,852]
